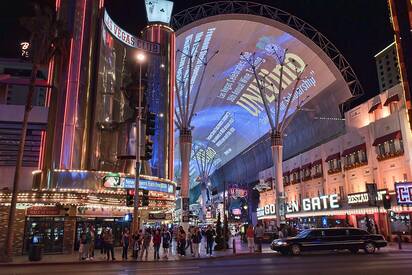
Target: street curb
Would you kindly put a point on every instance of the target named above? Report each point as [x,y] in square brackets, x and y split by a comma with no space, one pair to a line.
[4,265]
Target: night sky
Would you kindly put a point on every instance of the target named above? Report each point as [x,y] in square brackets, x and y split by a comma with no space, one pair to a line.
[358,28]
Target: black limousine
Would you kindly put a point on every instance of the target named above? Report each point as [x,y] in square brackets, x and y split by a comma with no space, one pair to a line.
[341,238]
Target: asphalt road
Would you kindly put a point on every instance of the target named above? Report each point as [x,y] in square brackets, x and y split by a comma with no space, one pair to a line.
[320,263]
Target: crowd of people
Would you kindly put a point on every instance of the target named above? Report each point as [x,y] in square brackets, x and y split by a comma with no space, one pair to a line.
[139,243]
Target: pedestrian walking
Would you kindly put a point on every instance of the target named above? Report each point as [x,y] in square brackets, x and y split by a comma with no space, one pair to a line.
[136,244]
[181,237]
[125,243]
[189,239]
[196,240]
[85,239]
[109,244]
[166,240]
[92,235]
[102,242]
[210,239]
[281,234]
[147,237]
[157,239]
[82,246]
[250,235]
[259,231]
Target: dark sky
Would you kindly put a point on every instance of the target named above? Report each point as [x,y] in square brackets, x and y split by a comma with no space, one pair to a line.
[358,28]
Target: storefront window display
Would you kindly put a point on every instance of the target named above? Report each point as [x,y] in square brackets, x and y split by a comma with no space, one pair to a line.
[367,223]
[400,223]
[47,230]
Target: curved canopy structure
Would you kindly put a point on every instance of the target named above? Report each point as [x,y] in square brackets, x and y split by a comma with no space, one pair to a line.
[230,114]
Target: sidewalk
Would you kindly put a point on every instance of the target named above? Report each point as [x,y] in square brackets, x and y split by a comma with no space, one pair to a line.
[393,247]
[241,248]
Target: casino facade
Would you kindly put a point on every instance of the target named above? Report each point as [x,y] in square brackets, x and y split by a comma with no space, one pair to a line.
[85,161]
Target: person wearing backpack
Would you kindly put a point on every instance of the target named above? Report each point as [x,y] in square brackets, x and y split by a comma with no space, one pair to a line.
[166,239]
[136,243]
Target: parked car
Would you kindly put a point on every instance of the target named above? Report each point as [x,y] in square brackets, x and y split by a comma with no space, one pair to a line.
[350,238]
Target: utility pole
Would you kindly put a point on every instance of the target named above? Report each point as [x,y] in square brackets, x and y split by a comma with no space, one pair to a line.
[136,219]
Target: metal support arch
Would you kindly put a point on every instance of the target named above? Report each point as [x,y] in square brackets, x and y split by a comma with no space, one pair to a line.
[198,12]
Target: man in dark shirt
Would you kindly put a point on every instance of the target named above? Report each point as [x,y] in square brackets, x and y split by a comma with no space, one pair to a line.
[210,238]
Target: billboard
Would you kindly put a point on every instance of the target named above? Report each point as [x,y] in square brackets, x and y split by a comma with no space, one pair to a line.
[230,114]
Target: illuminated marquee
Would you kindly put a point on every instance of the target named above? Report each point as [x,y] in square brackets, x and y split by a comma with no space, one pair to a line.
[128,38]
[358,198]
[129,183]
[326,202]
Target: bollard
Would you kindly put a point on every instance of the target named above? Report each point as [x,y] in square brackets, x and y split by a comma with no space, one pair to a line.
[234,246]
[399,242]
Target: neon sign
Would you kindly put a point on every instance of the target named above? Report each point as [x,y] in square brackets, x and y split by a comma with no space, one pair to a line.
[404,193]
[128,38]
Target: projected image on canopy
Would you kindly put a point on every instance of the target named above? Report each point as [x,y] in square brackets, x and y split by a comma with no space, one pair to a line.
[230,113]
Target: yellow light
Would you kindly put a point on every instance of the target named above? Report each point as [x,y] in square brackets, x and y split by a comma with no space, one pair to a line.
[140,57]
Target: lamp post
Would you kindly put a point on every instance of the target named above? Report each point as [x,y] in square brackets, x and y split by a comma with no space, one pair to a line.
[141,57]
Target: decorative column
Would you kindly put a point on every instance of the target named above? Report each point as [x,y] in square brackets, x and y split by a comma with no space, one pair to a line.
[277,156]
[185,142]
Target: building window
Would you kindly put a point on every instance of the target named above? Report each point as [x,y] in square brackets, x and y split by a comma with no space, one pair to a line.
[334,166]
[355,159]
[393,107]
[390,149]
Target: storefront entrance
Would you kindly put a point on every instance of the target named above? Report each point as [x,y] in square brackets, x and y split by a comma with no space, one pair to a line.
[116,224]
[47,230]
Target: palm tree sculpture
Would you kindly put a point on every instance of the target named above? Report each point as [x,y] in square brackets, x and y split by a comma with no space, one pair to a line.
[46,39]
[278,112]
[184,114]
[205,160]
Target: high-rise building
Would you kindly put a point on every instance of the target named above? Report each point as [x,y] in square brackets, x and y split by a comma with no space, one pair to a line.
[14,86]
[387,67]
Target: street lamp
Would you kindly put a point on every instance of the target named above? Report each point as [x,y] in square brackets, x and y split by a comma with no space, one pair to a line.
[141,57]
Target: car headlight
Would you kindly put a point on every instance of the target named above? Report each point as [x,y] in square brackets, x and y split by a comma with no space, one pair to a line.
[280,243]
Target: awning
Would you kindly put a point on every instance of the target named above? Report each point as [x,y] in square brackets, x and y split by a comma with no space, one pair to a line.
[354,149]
[331,157]
[295,170]
[317,162]
[393,98]
[306,166]
[383,139]
[375,106]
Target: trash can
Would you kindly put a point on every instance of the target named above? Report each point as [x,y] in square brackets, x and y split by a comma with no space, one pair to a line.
[35,249]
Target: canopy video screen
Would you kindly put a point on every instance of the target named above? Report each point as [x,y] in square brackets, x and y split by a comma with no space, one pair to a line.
[230,114]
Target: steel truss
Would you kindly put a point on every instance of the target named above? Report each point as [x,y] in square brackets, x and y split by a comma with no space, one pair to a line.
[195,13]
